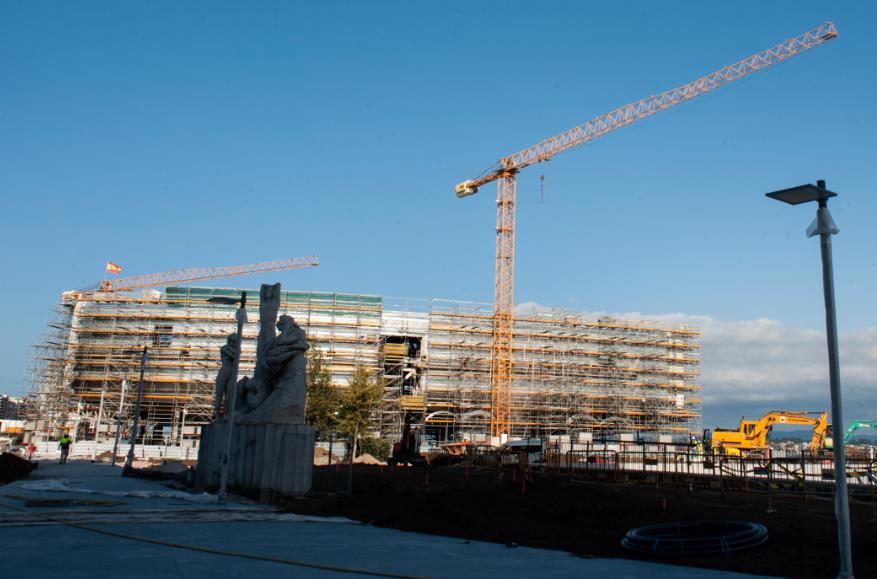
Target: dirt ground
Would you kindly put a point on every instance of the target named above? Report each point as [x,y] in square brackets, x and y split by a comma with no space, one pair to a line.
[590,518]
[13,467]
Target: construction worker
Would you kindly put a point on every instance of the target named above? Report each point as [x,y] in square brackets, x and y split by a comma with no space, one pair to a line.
[64,444]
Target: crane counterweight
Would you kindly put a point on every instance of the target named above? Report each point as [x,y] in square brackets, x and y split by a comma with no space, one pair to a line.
[465,189]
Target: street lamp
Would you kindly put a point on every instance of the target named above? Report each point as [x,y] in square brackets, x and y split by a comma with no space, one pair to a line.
[120,410]
[129,461]
[824,227]
[183,428]
[232,391]
[100,415]
[119,420]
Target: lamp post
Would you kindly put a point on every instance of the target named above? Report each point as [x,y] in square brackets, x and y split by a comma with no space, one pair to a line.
[130,459]
[183,426]
[824,227]
[78,420]
[119,420]
[232,391]
[100,414]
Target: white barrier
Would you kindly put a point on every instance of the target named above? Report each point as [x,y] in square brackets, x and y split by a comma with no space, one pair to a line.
[86,449]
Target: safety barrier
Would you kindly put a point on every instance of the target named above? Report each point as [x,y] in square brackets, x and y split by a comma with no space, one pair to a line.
[686,465]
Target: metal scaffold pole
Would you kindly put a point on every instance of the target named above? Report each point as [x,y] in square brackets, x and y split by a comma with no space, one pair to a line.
[119,420]
[100,415]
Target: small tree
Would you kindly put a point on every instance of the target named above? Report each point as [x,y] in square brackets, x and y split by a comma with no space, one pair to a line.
[377,447]
[357,404]
[324,401]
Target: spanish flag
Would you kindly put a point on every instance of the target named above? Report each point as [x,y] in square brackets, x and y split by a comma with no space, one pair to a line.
[113,268]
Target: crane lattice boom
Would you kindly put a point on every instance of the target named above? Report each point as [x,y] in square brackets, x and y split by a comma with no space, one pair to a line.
[201,273]
[506,177]
[648,106]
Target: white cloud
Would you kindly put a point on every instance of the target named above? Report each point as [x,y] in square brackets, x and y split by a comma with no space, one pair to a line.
[765,364]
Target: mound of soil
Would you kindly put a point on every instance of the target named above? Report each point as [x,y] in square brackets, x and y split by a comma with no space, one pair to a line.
[591,518]
[105,456]
[176,470]
[13,467]
[321,457]
[366,458]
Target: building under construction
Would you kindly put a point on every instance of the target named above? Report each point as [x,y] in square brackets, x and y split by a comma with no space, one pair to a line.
[571,374]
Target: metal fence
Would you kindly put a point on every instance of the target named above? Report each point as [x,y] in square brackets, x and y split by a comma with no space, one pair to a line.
[686,465]
[333,465]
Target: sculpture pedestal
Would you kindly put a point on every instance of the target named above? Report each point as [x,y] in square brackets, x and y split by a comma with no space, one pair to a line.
[268,458]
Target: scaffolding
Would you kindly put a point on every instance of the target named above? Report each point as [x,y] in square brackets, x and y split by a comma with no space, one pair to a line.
[87,366]
[404,328]
[570,374]
[50,398]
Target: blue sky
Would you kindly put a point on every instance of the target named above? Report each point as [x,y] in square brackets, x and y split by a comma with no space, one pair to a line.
[161,135]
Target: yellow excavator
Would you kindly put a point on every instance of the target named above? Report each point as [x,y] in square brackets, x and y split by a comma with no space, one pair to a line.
[751,435]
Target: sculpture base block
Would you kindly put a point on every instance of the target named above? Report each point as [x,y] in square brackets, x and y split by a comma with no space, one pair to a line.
[266,458]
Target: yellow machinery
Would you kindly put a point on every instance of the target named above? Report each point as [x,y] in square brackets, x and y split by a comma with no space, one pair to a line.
[751,435]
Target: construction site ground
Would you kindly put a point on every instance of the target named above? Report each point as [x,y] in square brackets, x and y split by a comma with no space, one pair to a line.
[83,519]
[589,519]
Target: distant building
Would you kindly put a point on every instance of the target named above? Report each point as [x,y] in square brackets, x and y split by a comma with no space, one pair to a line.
[10,408]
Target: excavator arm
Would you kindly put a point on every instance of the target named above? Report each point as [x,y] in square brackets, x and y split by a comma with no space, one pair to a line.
[820,433]
[752,435]
[857,425]
[820,426]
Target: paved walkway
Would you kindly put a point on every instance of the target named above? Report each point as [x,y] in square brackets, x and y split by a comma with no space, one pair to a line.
[105,534]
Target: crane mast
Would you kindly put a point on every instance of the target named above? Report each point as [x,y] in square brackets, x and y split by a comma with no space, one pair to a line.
[506,177]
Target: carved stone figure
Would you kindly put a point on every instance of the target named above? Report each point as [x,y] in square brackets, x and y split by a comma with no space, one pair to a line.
[223,378]
[285,364]
[277,390]
[260,386]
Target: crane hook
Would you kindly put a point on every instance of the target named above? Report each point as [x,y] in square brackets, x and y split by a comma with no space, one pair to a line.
[542,189]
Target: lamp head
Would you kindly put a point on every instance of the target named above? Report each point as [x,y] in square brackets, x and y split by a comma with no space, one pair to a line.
[803,194]
[229,301]
[223,300]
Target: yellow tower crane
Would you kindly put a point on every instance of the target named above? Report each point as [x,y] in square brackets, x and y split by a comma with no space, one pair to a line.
[505,174]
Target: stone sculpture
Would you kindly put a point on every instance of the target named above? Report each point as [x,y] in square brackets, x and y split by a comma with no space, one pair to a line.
[260,385]
[276,392]
[226,355]
[272,448]
[285,365]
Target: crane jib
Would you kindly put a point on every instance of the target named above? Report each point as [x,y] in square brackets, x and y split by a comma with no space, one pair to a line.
[200,273]
[646,107]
